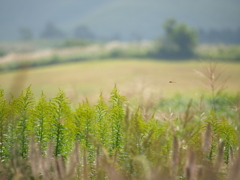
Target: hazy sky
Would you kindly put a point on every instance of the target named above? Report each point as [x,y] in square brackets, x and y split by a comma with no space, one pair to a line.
[108,17]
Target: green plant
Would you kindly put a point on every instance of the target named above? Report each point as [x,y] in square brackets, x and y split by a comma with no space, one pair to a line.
[22,110]
[62,126]
[41,122]
[116,117]
[3,124]
[49,139]
[222,132]
[102,125]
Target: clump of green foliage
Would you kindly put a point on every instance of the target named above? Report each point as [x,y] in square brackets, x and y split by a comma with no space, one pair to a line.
[50,139]
[179,42]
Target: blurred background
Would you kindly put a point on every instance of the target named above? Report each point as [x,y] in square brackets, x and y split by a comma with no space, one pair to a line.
[117,19]
[86,47]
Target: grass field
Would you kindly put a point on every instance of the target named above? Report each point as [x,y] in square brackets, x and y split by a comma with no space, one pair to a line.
[88,79]
[160,129]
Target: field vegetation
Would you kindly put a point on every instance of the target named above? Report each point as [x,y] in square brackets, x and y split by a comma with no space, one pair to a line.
[50,139]
[173,118]
[150,132]
[43,53]
[81,107]
[133,76]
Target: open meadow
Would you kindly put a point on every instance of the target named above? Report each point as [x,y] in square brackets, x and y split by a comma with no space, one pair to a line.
[119,90]
[154,120]
[132,76]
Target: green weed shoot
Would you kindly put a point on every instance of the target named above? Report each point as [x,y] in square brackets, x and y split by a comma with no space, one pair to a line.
[49,139]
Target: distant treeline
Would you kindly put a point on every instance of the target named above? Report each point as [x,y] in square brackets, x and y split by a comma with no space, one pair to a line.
[52,31]
[214,36]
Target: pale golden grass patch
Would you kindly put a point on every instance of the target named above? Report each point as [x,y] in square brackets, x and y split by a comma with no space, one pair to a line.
[132,76]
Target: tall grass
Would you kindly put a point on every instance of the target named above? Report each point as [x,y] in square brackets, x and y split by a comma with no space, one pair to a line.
[50,139]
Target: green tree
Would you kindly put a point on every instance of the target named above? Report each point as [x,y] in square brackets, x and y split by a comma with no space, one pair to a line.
[179,40]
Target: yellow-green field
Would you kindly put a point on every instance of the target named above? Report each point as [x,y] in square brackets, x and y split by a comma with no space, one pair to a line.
[145,77]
